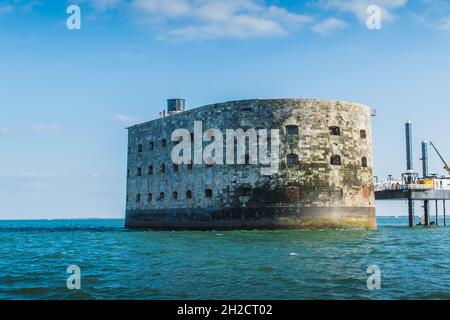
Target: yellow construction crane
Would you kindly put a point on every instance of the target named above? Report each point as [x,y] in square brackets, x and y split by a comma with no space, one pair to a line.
[446,167]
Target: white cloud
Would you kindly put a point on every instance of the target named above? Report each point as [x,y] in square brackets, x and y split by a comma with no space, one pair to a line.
[181,20]
[103,5]
[359,7]
[31,174]
[127,120]
[288,18]
[29,6]
[193,20]
[44,128]
[434,15]
[164,8]
[29,180]
[444,25]
[239,27]
[328,26]
[9,6]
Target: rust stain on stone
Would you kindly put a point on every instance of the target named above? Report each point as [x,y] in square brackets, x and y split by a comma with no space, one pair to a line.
[366,192]
[293,193]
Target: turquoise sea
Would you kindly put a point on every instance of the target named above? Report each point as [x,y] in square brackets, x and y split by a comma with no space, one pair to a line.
[117,263]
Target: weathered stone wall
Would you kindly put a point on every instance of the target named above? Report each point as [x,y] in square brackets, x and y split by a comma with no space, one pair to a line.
[312,193]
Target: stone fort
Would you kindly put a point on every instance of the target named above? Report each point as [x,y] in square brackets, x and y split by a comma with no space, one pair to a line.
[324,178]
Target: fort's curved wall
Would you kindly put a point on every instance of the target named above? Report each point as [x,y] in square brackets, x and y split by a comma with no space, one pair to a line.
[313,193]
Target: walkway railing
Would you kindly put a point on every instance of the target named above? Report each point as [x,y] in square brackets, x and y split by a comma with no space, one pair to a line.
[396,185]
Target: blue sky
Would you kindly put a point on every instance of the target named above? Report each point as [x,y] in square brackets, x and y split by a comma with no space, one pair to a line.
[67,95]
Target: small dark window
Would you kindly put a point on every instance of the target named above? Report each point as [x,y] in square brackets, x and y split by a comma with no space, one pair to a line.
[175,168]
[292,159]
[245,192]
[192,137]
[163,142]
[128,197]
[161,195]
[292,129]
[188,194]
[150,170]
[364,162]
[138,198]
[189,166]
[139,149]
[149,197]
[335,160]
[162,168]
[247,158]
[174,195]
[128,172]
[151,145]
[139,172]
[363,134]
[208,193]
[335,131]
[337,194]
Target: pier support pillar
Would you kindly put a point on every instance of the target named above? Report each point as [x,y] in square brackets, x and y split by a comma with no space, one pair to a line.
[437,213]
[411,212]
[426,211]
[445,221]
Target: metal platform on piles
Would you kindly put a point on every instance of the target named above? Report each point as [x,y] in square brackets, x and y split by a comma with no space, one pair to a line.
[413,194]
[426,196]
[425,189]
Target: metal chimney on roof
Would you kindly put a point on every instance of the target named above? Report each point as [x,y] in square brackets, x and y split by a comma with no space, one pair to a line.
[424,159]
[409,148]
[426,203]
[175,105]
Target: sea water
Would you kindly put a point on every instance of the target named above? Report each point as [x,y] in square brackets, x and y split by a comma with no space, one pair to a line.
[116,263]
